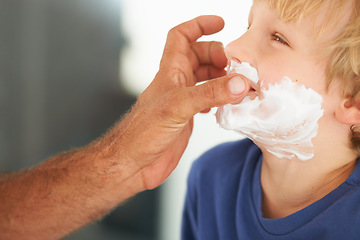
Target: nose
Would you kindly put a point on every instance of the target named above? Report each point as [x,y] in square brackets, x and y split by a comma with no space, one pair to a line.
[243,49]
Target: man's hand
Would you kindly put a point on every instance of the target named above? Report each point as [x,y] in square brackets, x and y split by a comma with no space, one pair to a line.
[76,187]
[159,126]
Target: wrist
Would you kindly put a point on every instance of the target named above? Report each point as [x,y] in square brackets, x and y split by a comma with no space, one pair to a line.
[114,166]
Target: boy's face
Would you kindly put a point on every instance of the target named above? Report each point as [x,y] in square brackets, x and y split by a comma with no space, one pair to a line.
[293,49]
[278,49]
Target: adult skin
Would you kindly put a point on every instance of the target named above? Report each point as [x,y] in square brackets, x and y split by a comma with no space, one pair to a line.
[76,187]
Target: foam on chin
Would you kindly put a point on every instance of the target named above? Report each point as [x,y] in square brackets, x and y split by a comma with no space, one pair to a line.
[283,121]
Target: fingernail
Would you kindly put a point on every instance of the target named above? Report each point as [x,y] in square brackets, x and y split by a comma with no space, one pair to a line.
[236,85]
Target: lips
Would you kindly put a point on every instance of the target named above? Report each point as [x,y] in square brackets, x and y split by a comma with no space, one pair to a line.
[254,92]
[254,87]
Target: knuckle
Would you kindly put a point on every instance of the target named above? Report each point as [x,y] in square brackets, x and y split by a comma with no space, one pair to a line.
[171,31]
[174,32]
[211,92]
[167,106]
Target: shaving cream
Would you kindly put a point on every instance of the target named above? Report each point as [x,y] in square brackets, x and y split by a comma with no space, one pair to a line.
[245,69]
[283,121]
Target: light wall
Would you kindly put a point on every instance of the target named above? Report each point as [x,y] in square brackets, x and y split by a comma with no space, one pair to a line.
[146,24]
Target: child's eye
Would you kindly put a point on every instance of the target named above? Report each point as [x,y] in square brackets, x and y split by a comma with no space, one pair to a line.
[279,39]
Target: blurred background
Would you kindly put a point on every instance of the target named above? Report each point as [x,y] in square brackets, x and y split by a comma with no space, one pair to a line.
[70,68]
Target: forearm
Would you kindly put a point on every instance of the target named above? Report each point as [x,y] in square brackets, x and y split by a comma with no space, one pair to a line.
[66,192]
[76,187]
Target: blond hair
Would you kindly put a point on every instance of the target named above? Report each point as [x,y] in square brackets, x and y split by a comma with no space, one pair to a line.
[344,64]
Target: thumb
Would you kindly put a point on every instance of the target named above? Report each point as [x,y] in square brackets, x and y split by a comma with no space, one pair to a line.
[214,93]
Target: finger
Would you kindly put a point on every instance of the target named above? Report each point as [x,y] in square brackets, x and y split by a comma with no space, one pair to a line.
[209,53]
[207,72]
[197,27]
[213,93]
[180,37]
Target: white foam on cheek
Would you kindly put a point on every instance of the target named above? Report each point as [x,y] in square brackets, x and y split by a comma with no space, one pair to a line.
[284,121]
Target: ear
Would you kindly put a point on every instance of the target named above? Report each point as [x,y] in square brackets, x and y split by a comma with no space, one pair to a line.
[348,111]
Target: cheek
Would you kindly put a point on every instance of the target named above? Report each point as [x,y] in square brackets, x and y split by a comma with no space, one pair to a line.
[308,73]
[273,68]
[271,74]
[333,98]
[311,73]
[314,79]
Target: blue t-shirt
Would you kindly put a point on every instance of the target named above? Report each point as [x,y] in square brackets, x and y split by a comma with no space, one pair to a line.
[223,201]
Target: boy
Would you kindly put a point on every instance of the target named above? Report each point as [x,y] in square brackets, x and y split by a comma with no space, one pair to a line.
[242,191]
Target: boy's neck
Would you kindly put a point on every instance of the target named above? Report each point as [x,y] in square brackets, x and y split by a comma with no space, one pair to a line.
[291,185]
